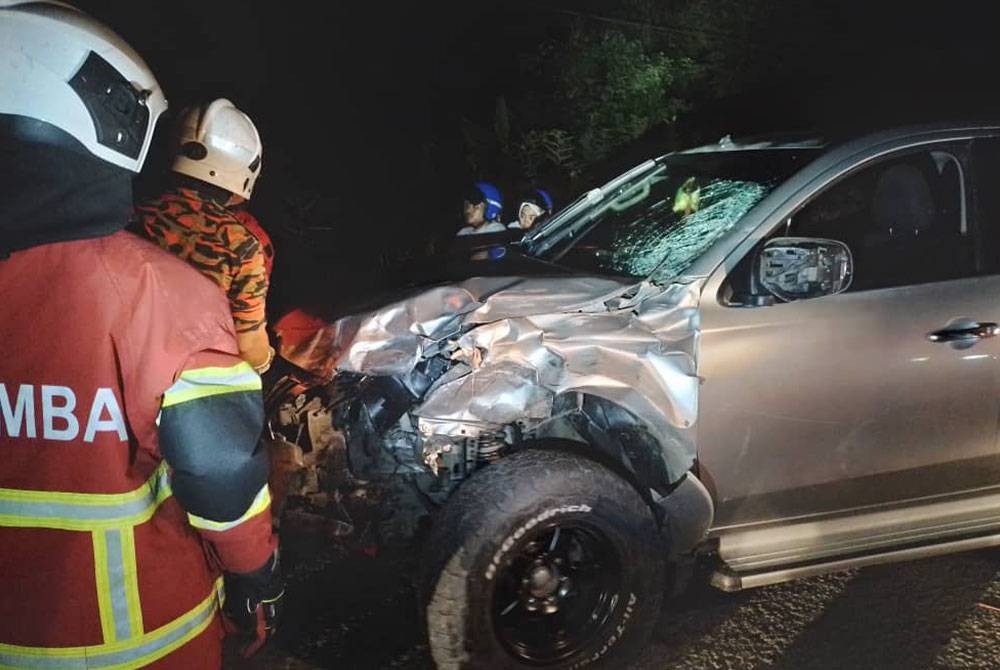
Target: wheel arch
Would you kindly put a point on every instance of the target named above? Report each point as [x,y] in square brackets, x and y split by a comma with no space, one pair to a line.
[598,429]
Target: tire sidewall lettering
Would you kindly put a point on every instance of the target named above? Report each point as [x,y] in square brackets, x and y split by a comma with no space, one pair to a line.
[613,639]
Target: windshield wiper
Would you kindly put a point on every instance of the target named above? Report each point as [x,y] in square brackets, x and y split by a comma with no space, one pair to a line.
[568,222]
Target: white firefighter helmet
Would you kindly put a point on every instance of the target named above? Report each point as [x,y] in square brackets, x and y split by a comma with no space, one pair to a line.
[60,67]
[219,144]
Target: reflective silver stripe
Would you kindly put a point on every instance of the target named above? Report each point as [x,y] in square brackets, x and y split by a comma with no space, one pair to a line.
[146,649]
[40,510]
[116,584]
[249,378]
[77,511]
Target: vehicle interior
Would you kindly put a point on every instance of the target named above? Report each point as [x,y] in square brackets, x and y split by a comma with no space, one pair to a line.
[896,217]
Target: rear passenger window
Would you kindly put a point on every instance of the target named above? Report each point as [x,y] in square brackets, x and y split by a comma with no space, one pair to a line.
[906,219]
[986,192]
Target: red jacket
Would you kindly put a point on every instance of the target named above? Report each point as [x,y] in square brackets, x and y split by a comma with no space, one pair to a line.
[103,339]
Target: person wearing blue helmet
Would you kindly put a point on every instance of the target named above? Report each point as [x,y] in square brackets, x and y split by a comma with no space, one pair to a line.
[482,206]
[535,206]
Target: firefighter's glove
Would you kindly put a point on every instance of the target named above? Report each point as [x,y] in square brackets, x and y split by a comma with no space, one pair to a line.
[254,602]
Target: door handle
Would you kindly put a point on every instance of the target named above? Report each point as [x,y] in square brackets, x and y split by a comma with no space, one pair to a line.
[965,333]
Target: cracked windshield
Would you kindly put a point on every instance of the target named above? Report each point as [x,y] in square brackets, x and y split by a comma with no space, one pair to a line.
[665,217]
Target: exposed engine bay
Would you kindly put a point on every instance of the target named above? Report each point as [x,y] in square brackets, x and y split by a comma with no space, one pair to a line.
[362,428]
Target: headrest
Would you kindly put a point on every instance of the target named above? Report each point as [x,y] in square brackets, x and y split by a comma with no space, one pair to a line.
[903,202]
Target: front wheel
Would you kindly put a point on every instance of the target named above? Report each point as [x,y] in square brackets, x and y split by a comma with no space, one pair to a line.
[542,560]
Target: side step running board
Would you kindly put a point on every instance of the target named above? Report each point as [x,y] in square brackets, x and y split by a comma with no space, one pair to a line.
[726,579]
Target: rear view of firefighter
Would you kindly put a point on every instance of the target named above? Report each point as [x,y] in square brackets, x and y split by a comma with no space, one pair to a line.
[131,488]
[217,161]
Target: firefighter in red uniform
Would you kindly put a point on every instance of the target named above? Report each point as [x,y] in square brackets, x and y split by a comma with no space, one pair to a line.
[132,491]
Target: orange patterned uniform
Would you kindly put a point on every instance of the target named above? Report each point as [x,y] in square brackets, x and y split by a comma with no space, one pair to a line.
[253,225]
[205,233]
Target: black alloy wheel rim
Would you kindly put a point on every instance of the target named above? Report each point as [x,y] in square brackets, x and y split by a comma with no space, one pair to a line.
[558,595]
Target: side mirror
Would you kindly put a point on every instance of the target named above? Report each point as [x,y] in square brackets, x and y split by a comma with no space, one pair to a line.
[796,268]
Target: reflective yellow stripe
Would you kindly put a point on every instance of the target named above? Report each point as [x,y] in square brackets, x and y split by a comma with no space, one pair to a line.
[207,382]
[111,520]
[133,653]
[95,499]
[84,511]
[103,582]
[259,505]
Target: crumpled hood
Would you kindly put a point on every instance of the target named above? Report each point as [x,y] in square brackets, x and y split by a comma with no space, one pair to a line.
[516,344]
[391,340]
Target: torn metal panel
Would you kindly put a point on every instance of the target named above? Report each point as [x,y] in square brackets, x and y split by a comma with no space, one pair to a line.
[513,346]
[391,341]
[497,394]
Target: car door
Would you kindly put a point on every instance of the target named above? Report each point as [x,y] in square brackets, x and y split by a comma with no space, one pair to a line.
[844,402]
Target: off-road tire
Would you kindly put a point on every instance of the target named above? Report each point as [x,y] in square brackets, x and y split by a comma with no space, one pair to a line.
[478,532]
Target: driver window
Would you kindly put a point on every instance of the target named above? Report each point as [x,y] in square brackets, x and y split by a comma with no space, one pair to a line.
[904,220]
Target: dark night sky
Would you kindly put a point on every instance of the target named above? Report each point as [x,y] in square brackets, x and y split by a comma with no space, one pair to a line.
[351,96]
[394,73]
[401,74]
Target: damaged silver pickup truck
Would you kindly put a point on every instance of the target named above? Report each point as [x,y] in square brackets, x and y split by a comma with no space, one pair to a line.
[773,357]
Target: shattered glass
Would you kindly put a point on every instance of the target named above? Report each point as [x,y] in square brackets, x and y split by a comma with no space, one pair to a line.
[652,242]
[667,216]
